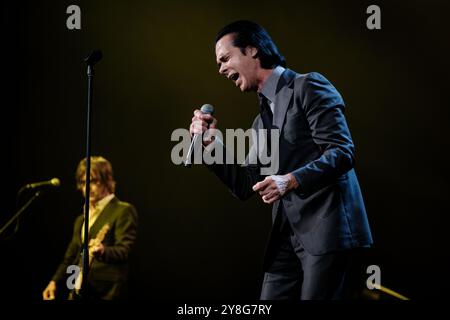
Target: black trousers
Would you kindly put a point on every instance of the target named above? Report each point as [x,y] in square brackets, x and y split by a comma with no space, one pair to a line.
[294,274]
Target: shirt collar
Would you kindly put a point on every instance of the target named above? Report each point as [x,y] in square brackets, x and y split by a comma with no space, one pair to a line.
[99,206]
[102,203]
[270,86]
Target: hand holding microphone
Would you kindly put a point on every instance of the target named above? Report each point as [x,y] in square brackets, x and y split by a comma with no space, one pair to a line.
[201,121]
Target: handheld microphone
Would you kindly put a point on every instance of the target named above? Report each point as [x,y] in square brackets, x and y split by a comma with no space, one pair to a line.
[207,109]
[55,182]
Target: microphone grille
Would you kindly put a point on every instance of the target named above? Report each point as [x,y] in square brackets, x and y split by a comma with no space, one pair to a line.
[55,182]
[207,108]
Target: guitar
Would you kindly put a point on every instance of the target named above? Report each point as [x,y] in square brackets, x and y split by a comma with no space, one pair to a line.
[93,242]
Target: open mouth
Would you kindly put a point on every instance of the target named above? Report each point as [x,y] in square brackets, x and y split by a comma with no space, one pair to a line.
[234,77]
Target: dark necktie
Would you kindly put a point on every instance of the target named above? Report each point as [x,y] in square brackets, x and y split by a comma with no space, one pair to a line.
[267,118]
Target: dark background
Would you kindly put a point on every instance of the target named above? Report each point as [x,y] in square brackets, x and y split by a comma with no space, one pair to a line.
[196,241]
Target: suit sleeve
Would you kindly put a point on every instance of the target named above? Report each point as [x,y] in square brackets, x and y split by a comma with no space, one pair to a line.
[324,110]
[71,256]
[238,178]
[125,233]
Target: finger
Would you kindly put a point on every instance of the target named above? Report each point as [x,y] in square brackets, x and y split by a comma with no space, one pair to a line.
[203,116]
[266,188]
[265,196]
[196,128]
[200,127]
[265,191]
[261,184]
[213,125]
[195,118]
[200,123]
[207,117]
[265,182]
[193,129]
[270,194]
[271,197]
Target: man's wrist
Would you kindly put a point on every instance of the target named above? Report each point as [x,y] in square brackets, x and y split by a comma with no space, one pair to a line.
[293,183]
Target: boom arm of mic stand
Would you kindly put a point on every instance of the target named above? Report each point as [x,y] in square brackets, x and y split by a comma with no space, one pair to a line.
[18,213]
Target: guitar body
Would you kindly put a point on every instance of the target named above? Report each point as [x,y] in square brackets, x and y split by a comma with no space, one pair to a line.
[76,293]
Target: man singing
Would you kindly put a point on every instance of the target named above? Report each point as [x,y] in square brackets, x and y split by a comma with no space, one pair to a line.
[319,218]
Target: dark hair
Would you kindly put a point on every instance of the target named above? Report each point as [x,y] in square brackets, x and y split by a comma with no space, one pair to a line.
[248,33]
[101,168]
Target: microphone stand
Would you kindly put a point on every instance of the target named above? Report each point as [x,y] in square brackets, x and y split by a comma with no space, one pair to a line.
[91,59]
[18,213]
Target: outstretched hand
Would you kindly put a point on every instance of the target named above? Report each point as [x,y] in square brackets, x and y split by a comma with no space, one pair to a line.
[274,187]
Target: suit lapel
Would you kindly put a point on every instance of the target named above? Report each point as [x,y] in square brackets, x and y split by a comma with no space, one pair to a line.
[102,219]
[282,98]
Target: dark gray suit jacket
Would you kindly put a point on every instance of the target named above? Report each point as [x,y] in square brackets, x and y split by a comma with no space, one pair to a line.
[326,211]
[108,274]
